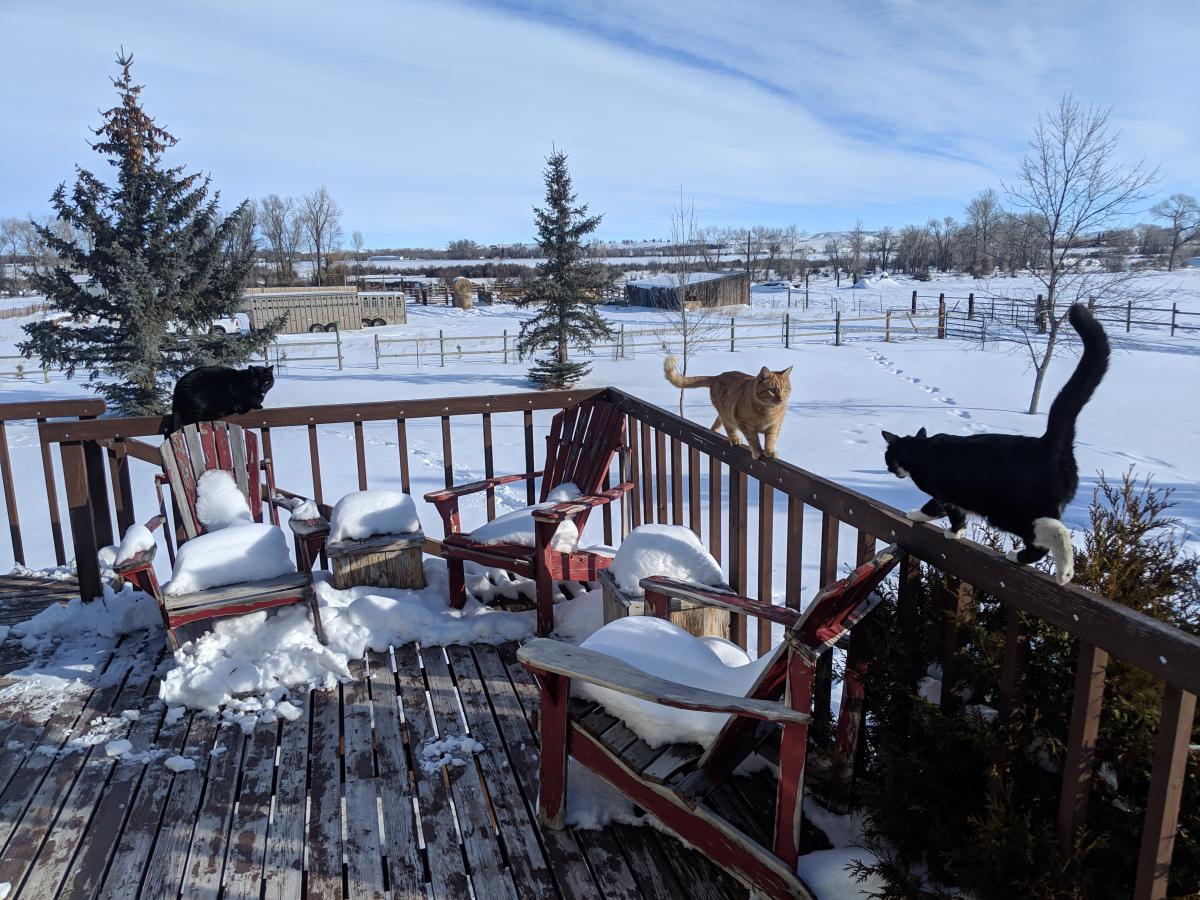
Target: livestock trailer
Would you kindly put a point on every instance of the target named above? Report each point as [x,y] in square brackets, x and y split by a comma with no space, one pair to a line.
[324,309]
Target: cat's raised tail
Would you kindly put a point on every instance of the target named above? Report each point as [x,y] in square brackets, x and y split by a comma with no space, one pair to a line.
[1060,424]
[684,381]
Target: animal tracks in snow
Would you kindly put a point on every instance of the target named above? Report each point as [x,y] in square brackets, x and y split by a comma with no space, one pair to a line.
[932,390]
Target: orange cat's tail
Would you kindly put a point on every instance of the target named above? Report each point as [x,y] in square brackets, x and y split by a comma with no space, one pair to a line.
[683,381]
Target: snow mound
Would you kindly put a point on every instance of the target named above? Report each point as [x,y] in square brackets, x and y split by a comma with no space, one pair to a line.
[367,513]
[670,550]
[138,539]
[219,503]
[518,527]
[661,648]
[882,279]
[108,616]
[449,751]
[117,748]
[826,872]
[179,764]
[247,552]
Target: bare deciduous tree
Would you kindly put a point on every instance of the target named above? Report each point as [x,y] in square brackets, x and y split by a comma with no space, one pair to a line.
[356,240]
[836,255]
[1183,214]
[857,245]
[1070,186]
[983,212]
[885,245]
[321,218]
[692,327]
[279,224]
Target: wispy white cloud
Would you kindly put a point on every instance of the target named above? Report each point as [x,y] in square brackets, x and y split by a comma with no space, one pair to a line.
[430,120]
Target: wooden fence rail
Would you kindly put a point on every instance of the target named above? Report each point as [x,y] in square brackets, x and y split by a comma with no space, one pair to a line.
[669,461]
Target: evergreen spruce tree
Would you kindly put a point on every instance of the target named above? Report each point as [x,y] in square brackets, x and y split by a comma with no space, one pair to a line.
[162,266]
[566,283]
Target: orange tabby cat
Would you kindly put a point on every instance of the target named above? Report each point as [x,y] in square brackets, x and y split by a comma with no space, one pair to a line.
[746,403]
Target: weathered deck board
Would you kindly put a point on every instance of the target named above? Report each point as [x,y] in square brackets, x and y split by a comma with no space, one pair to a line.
[266,817]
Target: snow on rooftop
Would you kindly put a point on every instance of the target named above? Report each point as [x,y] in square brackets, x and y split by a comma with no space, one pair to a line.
[673,280]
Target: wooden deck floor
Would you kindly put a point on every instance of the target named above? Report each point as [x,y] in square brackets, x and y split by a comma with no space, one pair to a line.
[330,805]
[22,597]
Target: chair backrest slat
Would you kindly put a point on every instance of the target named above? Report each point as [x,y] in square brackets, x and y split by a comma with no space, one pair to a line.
[195,449]
[580,446]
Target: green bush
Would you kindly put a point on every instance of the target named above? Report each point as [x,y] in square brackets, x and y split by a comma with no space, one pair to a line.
[959,802]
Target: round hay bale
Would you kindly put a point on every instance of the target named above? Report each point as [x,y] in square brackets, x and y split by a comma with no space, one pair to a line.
[464,292]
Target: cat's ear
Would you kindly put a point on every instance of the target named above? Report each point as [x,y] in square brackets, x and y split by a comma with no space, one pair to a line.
[890,438]
[764,374]
[271,371]
[922,433]
[785,373]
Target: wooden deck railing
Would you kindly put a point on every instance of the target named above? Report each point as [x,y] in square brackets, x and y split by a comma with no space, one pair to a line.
[686,474]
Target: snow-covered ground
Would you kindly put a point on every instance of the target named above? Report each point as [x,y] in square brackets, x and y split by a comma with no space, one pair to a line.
[1146,414]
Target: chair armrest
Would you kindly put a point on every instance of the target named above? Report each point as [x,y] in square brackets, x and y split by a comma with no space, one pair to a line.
[474,487]
[571,508]
[710,595]
[287,500]
[136,562]
[308,527]
[609,672]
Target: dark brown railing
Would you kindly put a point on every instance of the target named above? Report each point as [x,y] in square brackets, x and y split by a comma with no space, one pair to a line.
[678,469]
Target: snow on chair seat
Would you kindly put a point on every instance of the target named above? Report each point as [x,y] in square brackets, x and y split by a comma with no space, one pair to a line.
[191,459]
[673,781]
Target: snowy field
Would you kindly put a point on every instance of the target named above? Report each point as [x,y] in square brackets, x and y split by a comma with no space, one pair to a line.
[1145,415]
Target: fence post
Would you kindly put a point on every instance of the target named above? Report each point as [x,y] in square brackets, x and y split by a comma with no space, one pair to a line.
[837,329]
[983,334]
[377,351]
[806,290]
[1174,310]
[787,329]
[506,346]
[621,341]
[732,335]
[914,303]
[338,334]
[970,306]
[941,316]
[1040,315]
[442,346]
[887,334]
[1128,314]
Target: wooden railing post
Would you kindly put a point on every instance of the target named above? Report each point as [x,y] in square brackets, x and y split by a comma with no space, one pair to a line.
[530,493]
[738,505]
[118,470]
[79,507]
[823,688]
[795,545]
[1166,787]
[10,499]
[98,490]
[953,683]
[56,533]
[694,507]
[1081,743]
[766,537]
[1012,675]
[714,508]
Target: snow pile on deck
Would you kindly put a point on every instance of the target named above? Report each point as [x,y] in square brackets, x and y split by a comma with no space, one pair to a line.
[248,665]
[661,648]
[672,551]
[449,751]
[825,871]
[518,527]
[364,514]
[109,616]
[233,555]
[138,539]
[219,502]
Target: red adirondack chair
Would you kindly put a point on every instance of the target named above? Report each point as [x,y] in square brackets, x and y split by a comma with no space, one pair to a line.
[671,782]
[579,450]
[186,455]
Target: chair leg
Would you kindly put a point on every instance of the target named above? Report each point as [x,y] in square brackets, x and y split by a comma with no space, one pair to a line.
[543,580]
[552,793]
[793,752]
[314,605]
[172,639]
[458,582]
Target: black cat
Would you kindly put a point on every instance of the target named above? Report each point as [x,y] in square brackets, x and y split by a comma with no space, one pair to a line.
[209,393]
[1019,484]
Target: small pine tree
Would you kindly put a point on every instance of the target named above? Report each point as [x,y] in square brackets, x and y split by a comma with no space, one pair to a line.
[160,264]
[566,283]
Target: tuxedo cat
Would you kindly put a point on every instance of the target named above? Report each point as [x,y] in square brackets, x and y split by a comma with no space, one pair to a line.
[1019,484]
[208,393]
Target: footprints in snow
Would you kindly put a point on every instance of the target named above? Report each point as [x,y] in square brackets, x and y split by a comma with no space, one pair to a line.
[928,388]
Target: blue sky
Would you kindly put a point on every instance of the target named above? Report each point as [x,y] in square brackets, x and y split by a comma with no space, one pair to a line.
[431,121]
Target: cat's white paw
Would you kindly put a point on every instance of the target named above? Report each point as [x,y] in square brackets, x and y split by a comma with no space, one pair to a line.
[954,535]
[916,515]
[1011,556]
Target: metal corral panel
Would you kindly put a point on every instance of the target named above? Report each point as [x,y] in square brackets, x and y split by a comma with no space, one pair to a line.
[305,309]
[387,305]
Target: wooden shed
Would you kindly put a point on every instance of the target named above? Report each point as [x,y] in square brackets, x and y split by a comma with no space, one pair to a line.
[702,289]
